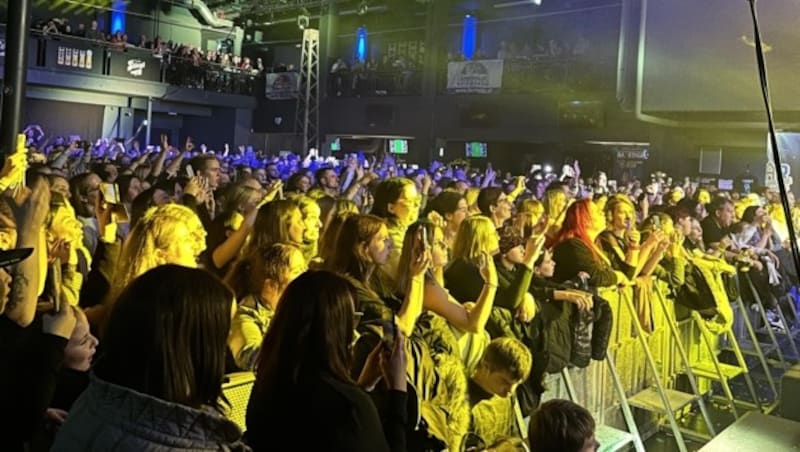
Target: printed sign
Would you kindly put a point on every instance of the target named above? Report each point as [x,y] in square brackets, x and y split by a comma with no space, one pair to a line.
[75,58]
[282,85]
[136,67]
[480,76]
[789,146]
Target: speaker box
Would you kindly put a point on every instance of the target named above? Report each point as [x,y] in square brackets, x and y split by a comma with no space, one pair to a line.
[476,116]
[790,393]
[710,161]
[379,115]
[582,114]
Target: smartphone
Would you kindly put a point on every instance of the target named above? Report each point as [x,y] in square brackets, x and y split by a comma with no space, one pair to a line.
[389,333]
[657,222]
[53,284]
[190,171]
[110,193]
[425,241]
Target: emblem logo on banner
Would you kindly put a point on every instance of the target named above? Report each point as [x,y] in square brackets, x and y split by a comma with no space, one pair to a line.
[136,67]
[480,76]
[283,85]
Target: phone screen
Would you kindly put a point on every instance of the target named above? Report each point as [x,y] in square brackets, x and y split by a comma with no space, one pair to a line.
[389,332]
[110,193]
[189,171]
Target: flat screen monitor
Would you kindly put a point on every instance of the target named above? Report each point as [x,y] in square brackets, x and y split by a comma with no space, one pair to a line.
[336,145]
[477,150]
[725,184]
[397,146]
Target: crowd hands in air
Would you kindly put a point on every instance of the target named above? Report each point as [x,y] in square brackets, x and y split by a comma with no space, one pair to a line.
[380,304]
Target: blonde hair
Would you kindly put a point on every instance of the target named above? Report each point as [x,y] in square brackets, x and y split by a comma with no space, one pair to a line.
[156,232]
[532,207]
[555,204]
[471,196]
[472,236]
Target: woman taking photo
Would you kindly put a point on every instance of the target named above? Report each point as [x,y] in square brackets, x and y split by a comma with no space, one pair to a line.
[303,377]
[164,355]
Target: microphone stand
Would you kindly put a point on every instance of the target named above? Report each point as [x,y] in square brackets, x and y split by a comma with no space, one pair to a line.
[773,138]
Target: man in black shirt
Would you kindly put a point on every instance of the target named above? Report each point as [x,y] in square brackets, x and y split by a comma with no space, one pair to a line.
[716,226]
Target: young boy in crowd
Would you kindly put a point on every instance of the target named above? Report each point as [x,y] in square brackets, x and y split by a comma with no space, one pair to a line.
[505,363]
[562,426]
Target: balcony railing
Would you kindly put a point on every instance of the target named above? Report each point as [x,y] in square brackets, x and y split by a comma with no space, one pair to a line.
[74,54]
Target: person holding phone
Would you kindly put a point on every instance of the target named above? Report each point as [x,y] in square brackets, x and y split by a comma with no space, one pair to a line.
[621,239]
[317,314]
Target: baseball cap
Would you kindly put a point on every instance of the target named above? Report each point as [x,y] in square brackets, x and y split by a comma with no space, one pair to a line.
[15,256]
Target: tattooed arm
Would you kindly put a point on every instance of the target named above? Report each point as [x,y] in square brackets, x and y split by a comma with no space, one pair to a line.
[30,210]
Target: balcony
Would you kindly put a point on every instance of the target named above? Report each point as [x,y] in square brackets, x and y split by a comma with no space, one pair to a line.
[86,64]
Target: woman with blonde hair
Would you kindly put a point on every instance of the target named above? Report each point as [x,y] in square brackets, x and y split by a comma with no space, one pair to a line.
[167,234]
[528,216]
[313,225]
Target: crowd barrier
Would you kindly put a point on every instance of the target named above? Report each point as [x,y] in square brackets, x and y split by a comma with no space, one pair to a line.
[677,362]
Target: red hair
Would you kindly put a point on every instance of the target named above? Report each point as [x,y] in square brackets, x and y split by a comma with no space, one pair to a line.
[577,222]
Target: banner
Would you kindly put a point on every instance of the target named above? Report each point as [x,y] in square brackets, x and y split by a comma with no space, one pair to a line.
[135,64]
[73,55]
[480,76]
[282,85]
[789,146]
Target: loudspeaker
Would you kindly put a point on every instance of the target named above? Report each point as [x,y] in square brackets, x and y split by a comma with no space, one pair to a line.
[476,116]
[379,115]
[585,114]
[790,393]
[710,161]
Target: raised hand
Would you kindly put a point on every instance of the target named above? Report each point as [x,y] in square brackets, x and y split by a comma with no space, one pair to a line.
[488,269]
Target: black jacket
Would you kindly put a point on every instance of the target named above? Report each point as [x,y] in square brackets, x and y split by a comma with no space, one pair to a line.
[324,413]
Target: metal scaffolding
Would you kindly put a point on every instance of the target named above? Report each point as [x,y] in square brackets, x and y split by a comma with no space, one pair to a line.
[307,120]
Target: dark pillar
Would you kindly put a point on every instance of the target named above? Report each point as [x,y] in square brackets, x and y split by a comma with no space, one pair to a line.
[328,30]
[435,36]
[16,65]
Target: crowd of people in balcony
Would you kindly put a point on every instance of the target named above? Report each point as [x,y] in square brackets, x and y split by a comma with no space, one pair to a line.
[215,69]
[388,75]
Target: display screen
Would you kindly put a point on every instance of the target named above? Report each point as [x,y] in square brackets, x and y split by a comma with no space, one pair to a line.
[336,145]
[398,146]
[700,55]
[477,150]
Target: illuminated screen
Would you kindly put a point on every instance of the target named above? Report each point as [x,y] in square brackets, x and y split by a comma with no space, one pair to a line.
[398,146]
[477,150]
[700,56]
[336,145]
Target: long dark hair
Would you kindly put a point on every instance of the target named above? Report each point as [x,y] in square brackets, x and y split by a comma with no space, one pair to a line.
[411,242]
[272,224]
[388,192]
[311,332]
[356,231]
[166,336]
[249,273]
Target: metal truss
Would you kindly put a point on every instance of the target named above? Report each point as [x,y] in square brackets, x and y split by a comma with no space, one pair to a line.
[307,119]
